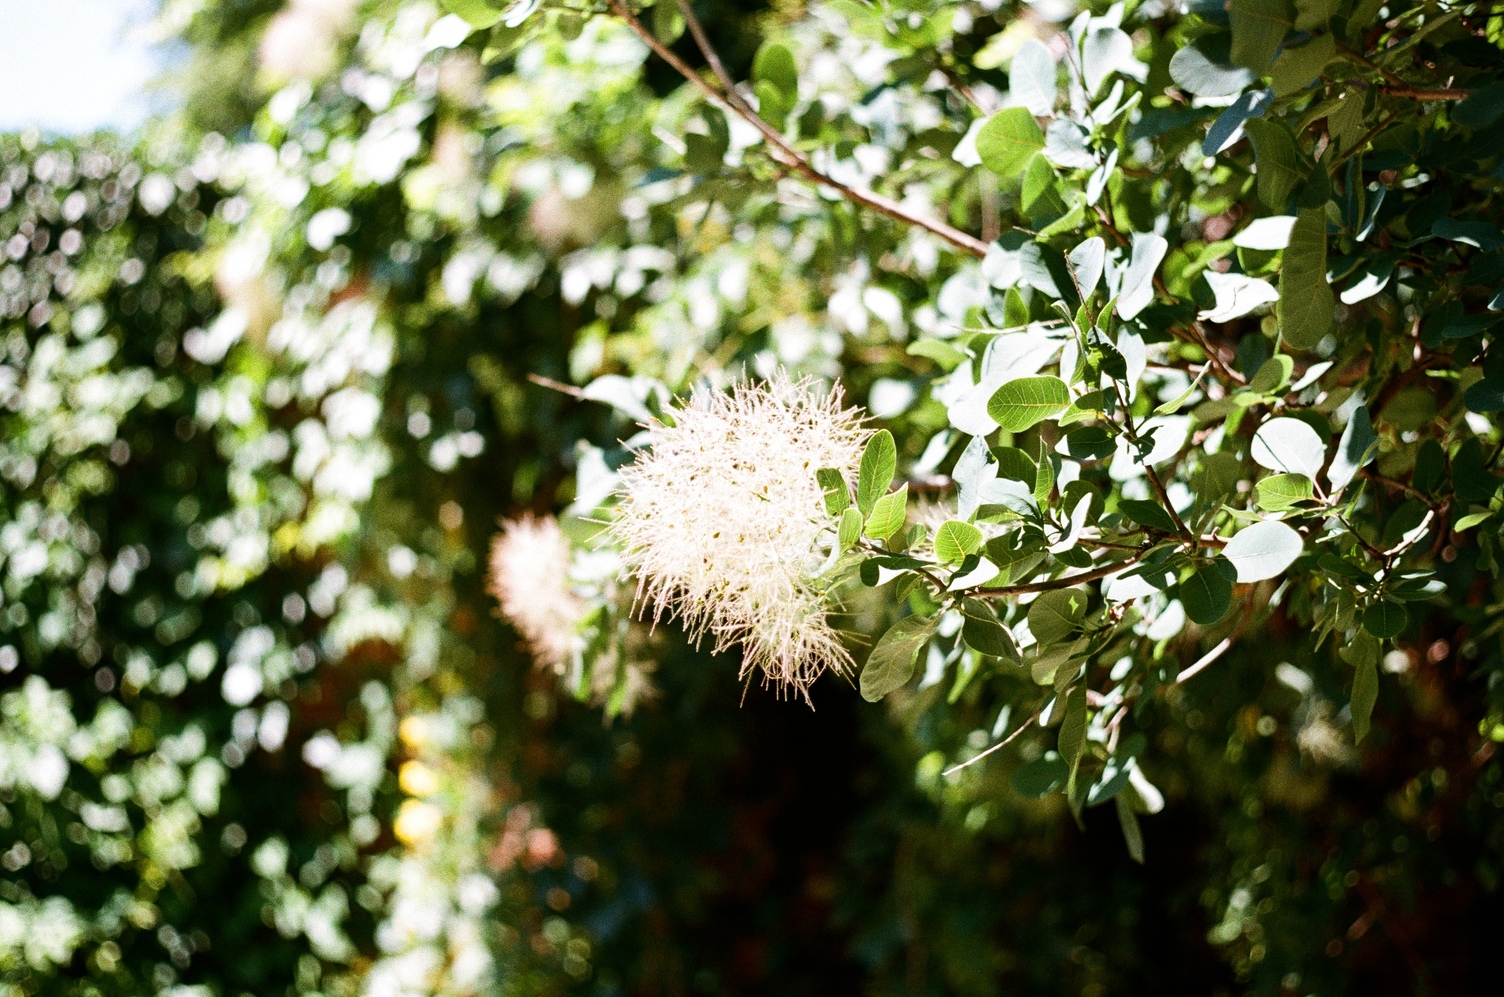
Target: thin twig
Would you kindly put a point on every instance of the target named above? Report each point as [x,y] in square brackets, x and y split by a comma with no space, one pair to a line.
[1412,537]
[702,42]
[1205,660]
[1413,492]
[1397,85]
[999,745]
[1223,646]
[1066,581]
[1164,496]
[559,386]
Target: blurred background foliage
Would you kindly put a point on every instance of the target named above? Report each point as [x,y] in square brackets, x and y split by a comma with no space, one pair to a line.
[264,396]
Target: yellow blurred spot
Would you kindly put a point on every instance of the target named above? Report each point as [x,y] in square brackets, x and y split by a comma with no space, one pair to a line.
[285,540]
[417,779]
[414,732]
[416,821]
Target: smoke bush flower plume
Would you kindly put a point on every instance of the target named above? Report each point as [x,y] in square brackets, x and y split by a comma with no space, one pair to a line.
[529,579]
[721,519]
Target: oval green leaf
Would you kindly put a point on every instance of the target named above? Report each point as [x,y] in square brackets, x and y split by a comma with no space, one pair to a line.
[1042,776]
[1263,550]
[1206,593]
[955,540]
[1289,445]
[1009,140]
[1026,401]
[1281,491]
[1055,615]
[888,514]
[879,461]
[891,663]
[1385,619]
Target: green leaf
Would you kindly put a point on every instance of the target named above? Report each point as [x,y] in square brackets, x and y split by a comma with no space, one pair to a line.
[942,351]
[851,527]
[1088,443]
[1272,375]
[1278,163]
[1482,108]
[879,461]
[1008,140]
[1216,475]
[1014,464]
[1073,726]
[1485,396]
[1470,520]
[1258,26]
[1042,776]
[1430,466]
[1147,513]
[477,13]
[1357,447]
[837,494]
[1202,69]
[1362,648]
[772,107]
[1056,614]
[1385,619]
[1280,491]
[775,65]
[1415,586]
[1263,550]
[1025,401]
[1289,445]
[955,540]
[1365,684]
[1306,302]
[1044,475]
[891,663]
[1297,68]
[1041,190]
[668,23]
[981,630]
[888,514]
[1133,837]
[1206,593]
[1471,479]
[1316,13]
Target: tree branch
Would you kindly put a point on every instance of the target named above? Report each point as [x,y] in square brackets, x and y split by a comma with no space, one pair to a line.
[712,58]
[778,146]
[1422,93]
[1064,582]
[1164,498]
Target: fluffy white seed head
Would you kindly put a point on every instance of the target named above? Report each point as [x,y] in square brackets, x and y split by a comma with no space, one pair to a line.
[529,577]
[722,520]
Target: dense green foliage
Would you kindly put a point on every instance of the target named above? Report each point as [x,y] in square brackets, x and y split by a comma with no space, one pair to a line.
[1182,329]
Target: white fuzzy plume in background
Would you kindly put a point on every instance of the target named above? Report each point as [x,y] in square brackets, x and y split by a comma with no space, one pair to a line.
[722,518]
[529,578]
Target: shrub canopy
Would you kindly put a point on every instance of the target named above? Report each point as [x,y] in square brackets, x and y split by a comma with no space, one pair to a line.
[1166,562]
